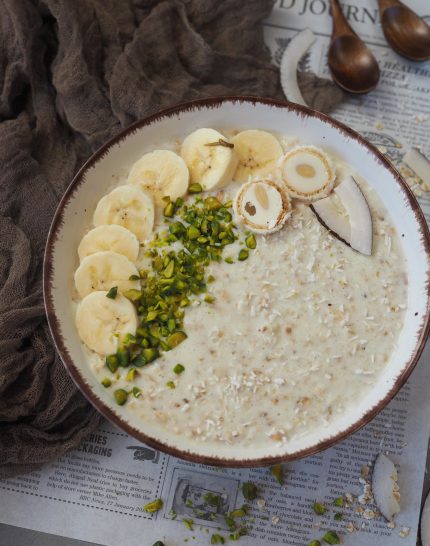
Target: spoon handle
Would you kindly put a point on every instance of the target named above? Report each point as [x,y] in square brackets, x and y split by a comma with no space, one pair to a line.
[385,4]
[340,24]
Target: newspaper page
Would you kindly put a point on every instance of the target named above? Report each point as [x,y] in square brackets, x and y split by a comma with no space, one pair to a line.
[97,493]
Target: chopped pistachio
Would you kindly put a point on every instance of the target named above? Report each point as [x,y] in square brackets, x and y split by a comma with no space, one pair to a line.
[251,242]
[211,278]
[217,539]
[229,260]
[123,357]
[193,232]
[319,508]
[188,523]
[169,210]
[175,339]
[150,354]
[112,363]
[134,278]
[238,513]
[277,471]
[314,543]
[209,298]
[158,543]
[106,382]
[170,385]
[120,396]
[139,360]
[339,501]
[136,392]
[153,506]
[178,369]
[249,490]
[195,188]
[331,537]
[212,203]
[243,255]
[131,374]
[133,294]
[112,293]
[338,516]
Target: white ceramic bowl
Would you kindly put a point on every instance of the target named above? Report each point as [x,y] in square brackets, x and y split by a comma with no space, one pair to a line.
[114,159]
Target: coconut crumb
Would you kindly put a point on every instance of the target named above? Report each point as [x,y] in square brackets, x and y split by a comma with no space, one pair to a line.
[404,532]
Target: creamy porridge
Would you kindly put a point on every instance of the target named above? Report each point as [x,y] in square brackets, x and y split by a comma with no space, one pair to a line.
[293,325]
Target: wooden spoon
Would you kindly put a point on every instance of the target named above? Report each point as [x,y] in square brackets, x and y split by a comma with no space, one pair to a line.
[404,30]
[352,64]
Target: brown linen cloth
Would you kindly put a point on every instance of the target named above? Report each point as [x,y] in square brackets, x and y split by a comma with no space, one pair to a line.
[72,74]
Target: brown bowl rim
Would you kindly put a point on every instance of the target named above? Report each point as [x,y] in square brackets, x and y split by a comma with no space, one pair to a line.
[103,408]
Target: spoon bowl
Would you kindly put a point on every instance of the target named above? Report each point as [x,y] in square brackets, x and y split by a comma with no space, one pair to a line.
[405,31]
[352,64]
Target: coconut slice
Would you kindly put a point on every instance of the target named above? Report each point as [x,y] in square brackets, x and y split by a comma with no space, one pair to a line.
[360,218]
[385,488]
[333,218]
[308,173]
[294,51]
[418,162]
[425,523]
[262,205]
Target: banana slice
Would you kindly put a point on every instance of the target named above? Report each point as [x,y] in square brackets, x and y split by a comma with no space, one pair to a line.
[308,173]
[102,271]
[102,322]
[262,205]
[129,207]
[258,153]
[161,173]
[115,238]
[210,162]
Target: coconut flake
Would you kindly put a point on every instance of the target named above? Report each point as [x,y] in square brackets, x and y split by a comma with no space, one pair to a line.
[385,488]
[419,163]
[358,211]
[294,51]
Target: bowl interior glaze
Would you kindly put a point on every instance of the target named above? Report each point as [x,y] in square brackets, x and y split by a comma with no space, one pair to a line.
[103,170]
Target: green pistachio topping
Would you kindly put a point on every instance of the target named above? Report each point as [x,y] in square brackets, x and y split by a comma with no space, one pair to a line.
[314,543]
[120,396]
[188,523]
[106,382]
[338,516]
[112,293]
[178,369]
[195,188]
[169,210]
[277,471]
[153,506]
[170,385]
[251,242]
[131,374]
[112,363]
[249,490]
[217,539]
[319,508]
[331,537]
[339,502]
[243,255]
[158,543]
[195,235]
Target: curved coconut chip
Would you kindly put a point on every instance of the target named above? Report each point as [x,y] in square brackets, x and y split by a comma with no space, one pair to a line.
[294,51]
[385,488]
